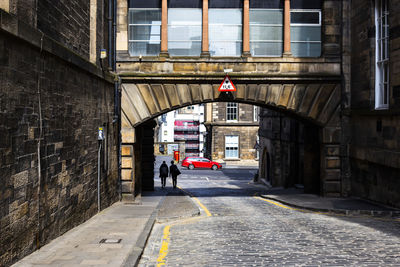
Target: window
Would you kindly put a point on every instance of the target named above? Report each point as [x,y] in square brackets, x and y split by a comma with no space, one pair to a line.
[305,32]
[184,31]
[258,148]
[381,55]
[144,28]
[255,113]
[225,31]
[231,146]
[266,32]
[231,111]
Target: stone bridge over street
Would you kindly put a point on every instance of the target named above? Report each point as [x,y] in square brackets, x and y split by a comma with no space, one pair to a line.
[306,90]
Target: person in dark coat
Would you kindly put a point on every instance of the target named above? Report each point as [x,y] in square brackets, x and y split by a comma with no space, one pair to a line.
[163,173]
[174,172]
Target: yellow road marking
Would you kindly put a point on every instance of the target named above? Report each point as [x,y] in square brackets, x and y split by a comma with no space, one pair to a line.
[161,260]
[203,207]
[324,213]
[277,204]
[164,247]
[198,202]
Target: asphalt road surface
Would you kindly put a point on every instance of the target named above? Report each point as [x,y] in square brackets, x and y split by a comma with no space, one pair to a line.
[236,228]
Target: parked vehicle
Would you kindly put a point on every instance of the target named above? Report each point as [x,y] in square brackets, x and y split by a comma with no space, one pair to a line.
[199,162]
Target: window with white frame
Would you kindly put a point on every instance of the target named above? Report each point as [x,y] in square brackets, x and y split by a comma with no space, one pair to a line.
[266,28]
[305,32]
[231,146]
[225,27]
[255,113]
[144,28]
[382,55]
[231,111]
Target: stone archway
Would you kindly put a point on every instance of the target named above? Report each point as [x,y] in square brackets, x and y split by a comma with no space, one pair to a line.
[315,102]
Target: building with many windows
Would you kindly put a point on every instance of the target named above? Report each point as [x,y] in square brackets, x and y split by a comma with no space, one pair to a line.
[182,130]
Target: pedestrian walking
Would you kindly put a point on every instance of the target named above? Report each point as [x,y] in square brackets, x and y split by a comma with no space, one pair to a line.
[163,173]
[174,172]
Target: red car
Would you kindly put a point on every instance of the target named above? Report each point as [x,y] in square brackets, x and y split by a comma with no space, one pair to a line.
[199,162]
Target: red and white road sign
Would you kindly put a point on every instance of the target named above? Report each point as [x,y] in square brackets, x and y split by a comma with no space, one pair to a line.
[227,85]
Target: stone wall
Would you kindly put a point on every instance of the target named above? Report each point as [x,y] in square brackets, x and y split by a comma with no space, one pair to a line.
[375,142]
[44,84]
[289,152]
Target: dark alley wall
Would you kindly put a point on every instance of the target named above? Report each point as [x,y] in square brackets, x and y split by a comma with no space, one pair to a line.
[375,140]
[74,97]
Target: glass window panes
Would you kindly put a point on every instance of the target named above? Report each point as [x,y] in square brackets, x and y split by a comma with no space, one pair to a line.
[144,31]
[304,17]
[306,49]
[231,146]
[266,32]
[225,32]
[382,54]
[184,31]
[305,33]
[266,16]
[231,111]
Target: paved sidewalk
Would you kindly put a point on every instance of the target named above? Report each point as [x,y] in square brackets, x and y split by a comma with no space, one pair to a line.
[350,206]
[125,226]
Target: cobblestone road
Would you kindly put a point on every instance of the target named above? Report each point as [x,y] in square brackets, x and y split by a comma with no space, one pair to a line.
[246,231]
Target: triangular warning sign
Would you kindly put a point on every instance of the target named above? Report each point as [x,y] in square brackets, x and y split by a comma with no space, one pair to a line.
[227,85]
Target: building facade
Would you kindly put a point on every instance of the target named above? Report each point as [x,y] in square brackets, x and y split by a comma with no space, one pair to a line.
[232,130]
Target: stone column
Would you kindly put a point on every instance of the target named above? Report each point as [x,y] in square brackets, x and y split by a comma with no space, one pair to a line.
[286,29]
[205,52]
[246,29]
[93,31]
[164,28]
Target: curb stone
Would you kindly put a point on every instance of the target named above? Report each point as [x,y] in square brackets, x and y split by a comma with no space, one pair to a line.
[374,213]
[136,252]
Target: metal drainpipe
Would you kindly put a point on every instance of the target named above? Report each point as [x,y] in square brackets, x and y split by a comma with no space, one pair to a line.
[117,93]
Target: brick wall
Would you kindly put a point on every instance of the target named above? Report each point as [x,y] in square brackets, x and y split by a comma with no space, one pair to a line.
[75,101]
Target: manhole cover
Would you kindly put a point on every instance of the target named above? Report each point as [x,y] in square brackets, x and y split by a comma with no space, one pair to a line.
[110,241]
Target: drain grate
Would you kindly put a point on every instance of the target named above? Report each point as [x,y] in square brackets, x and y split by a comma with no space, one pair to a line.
[110,241]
